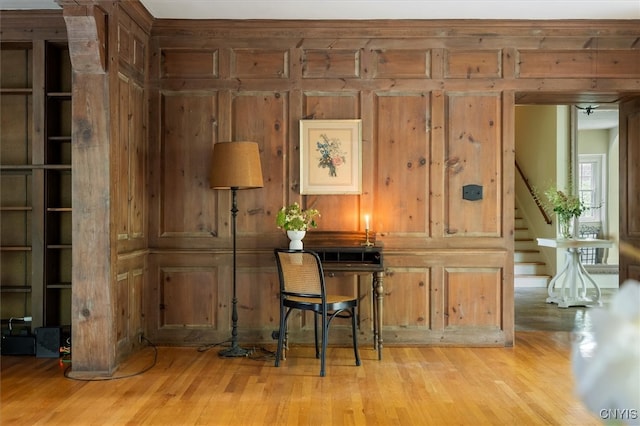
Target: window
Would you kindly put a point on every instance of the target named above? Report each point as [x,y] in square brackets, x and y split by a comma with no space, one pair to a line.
[591,184]
[591,187]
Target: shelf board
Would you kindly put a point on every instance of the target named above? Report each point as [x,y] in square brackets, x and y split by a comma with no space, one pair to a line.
[59,95]
[29,167]
[15,289]
[59,138]
[59,246]
[16,90]
[10,167]
[58,209]
[63,167]
[59,285]
[16,209]
[15,248]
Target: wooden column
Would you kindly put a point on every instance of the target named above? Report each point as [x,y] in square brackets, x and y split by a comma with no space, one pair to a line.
[93,337]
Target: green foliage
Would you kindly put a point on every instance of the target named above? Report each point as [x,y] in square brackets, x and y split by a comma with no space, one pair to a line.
[564,204]
[293,218]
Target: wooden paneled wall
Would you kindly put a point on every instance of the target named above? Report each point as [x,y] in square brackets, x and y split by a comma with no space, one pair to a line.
[436,100]
[152,242]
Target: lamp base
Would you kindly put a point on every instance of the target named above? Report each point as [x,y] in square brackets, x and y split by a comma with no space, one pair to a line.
[234,352]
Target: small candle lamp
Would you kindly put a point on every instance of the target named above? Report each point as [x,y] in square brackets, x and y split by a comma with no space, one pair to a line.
[367,243]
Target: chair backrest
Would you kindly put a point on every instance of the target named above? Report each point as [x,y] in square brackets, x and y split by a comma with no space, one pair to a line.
[300,273]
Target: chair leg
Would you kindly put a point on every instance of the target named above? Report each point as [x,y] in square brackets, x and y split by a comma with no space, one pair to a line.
[354,326]
[281,337]
[285,346]
[315,333]
[323,354]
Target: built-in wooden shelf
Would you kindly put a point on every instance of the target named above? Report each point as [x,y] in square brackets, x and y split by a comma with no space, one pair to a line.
[15,289]
[15,208]
[16,91]
[59,246]
[59,285]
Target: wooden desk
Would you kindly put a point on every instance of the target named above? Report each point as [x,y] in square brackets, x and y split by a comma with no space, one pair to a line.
[359,260]
[571,295]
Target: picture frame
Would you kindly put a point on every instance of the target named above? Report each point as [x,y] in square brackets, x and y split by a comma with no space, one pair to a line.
[331,156]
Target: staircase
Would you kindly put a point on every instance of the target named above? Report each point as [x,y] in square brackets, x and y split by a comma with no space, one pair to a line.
[529,267]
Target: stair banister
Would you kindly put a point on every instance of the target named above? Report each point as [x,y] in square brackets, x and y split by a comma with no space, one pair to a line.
[533,195]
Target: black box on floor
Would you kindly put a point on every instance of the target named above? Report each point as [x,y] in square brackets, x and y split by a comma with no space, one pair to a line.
[18,345]
[48,341]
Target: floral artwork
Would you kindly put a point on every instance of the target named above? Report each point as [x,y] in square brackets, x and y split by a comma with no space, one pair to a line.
[331,154]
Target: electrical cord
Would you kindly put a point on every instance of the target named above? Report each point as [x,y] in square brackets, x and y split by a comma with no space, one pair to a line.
[126,376]
[208,346]
[255,354]
[262,354]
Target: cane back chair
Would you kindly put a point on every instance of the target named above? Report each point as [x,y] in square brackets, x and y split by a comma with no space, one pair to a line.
[302,286]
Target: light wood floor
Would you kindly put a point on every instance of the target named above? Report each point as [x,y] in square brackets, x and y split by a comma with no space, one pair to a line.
[529,384]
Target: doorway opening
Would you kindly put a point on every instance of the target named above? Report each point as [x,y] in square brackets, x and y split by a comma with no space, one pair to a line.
[558,144]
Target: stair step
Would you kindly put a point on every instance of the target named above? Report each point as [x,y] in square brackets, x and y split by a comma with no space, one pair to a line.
[521,244]
[526,280]
[529,268]
[526,256]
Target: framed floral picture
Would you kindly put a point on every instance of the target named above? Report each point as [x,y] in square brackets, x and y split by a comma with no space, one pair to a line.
[330,156]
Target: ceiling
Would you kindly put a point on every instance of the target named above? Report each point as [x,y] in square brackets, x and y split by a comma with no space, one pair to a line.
[602,117]
[375,9]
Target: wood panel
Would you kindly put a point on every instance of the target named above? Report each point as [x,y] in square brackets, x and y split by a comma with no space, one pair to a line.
[202,63]
[473,297]
[407,298]
[402,63]
[473,64]
[122,314]
[629,137]
[137,163]
[187,206]
[129,289]
[577,64]
[267,127]
[259,63]
[188,297]
[122,157]
[331,63]
[474,157]
[403,161]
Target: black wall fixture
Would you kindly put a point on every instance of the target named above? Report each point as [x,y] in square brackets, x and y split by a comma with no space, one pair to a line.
[472,192]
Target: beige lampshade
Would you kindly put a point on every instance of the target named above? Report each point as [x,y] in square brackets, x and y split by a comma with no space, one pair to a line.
[236,165]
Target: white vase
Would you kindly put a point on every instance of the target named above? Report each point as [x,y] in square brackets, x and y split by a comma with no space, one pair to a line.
[295,239]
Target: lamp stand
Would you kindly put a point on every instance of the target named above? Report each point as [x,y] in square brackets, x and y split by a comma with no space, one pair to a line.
[234,350]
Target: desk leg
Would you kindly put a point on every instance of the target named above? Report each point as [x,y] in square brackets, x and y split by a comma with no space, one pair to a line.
[573,272]
[378,283]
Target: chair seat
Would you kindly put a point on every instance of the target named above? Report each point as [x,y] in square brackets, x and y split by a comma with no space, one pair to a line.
[334,302]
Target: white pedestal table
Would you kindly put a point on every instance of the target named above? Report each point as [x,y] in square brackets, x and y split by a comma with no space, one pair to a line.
[573,291]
